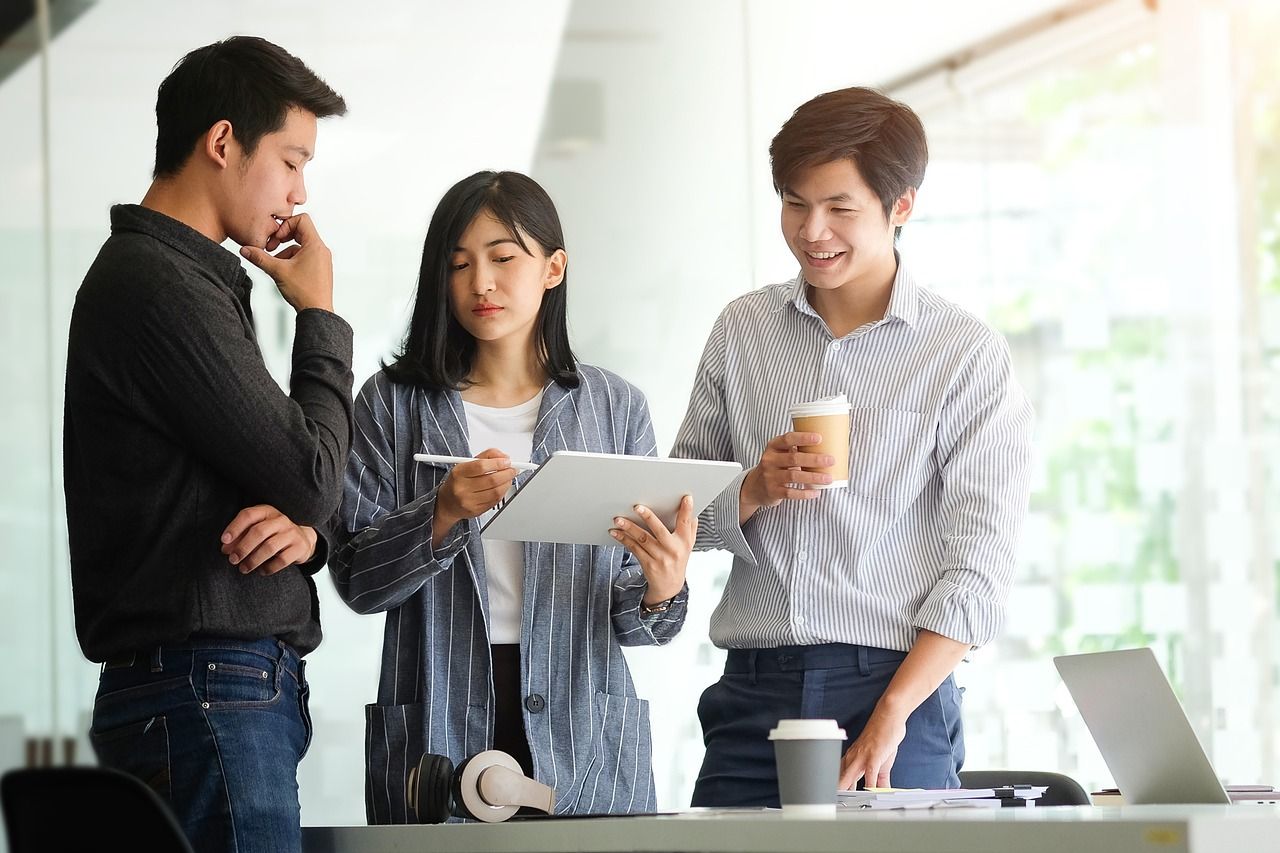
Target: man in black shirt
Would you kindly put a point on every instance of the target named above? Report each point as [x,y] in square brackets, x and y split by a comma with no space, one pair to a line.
[194,485]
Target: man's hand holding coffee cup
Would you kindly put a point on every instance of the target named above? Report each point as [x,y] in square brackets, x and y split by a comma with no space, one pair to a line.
[779,475]
[793,467]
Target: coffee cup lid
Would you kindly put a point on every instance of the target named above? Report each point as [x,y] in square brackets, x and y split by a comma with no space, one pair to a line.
[807,730]
[837,405]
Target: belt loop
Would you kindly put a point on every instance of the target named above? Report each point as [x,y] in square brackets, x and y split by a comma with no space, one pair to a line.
[751,665]
[302,672]
[156,665]
[864,665]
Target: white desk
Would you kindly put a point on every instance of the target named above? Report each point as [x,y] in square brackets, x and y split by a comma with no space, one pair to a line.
[1076,829]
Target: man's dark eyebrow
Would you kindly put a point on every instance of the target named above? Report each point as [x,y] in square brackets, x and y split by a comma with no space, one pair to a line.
[838,197]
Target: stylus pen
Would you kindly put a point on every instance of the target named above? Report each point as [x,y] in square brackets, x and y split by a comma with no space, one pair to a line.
[454,460]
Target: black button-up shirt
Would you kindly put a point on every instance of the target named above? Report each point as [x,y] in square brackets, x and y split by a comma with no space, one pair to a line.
[173,425]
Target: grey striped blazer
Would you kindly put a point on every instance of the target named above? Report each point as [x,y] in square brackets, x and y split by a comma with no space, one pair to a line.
[588,731]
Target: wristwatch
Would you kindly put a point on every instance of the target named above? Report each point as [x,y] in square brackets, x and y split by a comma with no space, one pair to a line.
[660,607]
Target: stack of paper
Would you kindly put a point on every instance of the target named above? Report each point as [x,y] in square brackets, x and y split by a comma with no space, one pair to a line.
[929,798]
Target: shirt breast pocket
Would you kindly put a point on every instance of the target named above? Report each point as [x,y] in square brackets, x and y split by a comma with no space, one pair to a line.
[888,453]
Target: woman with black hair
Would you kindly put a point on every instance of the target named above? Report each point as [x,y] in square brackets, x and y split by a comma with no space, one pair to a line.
[507,645]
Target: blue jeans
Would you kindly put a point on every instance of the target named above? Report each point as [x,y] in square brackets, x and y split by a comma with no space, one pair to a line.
[217,728]
[830,681]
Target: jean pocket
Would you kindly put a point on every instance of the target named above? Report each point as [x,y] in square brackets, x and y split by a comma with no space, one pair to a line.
[140,749]
[304,711]
[121,694]
[236,685]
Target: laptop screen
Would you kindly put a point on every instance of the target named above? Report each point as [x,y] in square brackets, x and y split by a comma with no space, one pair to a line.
[1140,728]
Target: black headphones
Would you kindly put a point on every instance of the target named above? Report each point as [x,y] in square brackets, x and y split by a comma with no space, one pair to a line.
[489,786]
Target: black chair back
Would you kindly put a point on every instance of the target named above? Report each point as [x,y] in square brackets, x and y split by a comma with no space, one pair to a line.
[1062,789]
[85,808]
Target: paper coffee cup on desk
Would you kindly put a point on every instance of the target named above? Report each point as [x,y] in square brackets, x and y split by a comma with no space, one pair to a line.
[808,757]
[829,418]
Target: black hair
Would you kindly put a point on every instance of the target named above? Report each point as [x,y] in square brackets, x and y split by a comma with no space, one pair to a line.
[438,352]
[245,80]
[883,137]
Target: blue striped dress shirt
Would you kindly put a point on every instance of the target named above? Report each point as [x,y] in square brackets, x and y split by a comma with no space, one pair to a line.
[925,535]
[588,731]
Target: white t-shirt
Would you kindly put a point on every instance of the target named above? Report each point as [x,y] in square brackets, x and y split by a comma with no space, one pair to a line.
[511,431]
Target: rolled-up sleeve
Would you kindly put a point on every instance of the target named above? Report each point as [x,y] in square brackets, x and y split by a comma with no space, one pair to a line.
[984,450]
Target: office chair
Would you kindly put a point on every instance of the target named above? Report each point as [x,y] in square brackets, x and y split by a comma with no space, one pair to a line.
[84,808]
[1062,789]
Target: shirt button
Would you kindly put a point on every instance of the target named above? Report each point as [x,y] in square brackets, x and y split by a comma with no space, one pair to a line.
[535,703]
[799,621]
[835,345]
[802,556]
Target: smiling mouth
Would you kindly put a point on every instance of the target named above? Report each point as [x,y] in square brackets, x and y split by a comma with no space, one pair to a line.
[823,256]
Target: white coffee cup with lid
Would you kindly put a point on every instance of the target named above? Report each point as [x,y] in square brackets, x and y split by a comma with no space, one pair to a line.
[829,418]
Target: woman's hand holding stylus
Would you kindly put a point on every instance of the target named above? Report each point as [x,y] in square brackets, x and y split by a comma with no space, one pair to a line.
[471,489]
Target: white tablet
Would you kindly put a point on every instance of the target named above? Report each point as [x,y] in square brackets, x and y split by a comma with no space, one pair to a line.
[573,497]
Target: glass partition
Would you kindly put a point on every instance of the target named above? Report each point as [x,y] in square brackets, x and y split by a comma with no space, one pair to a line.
[1090,206]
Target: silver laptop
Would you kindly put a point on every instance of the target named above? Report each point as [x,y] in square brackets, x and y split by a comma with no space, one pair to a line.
[1142,732]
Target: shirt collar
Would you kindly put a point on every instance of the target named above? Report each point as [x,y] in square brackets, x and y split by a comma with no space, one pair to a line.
[183,238]
[904,302]
[904,299]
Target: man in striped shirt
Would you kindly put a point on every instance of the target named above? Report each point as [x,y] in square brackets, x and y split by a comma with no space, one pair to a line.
[854,603]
